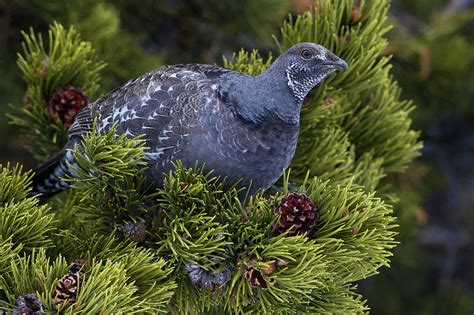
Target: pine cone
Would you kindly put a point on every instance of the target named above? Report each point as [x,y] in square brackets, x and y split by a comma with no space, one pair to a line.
[298,213]
[66,102]
[256,278]
[136,232]
[356,14]
[78,266]
[208,279]
[29,305]
[65,290]
[269,269]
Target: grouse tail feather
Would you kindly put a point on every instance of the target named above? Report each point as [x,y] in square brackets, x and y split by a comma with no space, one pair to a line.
[48,178]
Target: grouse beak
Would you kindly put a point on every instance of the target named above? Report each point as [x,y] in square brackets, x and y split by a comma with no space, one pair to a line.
[341,64]
[336,64]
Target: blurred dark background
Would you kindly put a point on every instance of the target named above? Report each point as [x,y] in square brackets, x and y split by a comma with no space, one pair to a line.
[433,60]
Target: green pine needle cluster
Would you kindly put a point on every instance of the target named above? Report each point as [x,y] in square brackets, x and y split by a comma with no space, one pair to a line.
[65,61]
[22,220]
[121,278]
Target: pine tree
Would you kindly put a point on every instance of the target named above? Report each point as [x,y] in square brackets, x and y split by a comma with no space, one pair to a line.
[191,246]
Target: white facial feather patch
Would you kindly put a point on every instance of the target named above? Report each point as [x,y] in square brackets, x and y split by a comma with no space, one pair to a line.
[301,81]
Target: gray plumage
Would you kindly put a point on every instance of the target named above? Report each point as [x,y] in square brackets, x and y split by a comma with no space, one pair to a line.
[240,126]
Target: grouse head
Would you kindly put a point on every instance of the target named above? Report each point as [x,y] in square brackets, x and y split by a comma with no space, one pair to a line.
[306,65]
[279,91]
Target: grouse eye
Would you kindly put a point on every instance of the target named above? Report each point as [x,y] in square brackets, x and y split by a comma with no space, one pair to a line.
[306,54]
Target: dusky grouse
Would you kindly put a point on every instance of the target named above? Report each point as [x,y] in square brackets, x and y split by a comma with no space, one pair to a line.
[240,126]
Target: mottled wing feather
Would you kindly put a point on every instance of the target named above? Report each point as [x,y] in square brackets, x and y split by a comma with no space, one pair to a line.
[211,72]
[82,123]
[162,105]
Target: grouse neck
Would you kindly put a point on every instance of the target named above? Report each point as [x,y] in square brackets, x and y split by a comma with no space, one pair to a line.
[262,98]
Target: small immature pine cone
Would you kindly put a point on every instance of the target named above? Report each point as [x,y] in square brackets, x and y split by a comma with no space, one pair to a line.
[29,304]
[65,290]
[269,269]
[135,232]
[208,279]
[78,266]
[66,103]
[297,214]
[256,278]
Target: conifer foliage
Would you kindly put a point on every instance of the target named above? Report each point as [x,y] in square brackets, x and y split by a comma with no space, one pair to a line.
[193,246]
[66,61]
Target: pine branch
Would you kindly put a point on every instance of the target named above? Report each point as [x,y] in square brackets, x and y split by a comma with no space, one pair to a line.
[148,273]
[14,183]
[22,220]
[66,61]
[197,225]
[108,181]
[249,63]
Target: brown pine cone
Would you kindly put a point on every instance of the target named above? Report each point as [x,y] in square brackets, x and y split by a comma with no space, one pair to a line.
[269,269]
[256,278]
[78,266]
[297,214]
[66,102]
[65,290]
